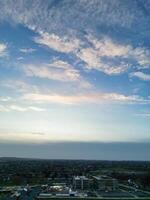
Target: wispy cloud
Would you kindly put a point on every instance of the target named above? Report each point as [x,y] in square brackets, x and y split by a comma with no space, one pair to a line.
[5,99]
[3,49]
[23,137]
[64,45]
[20,85]
[61,71]
[102,54]
[111,57]
[3,109]
[141,75]
[84,98]
[27,50]
[57,70]
[86,14]
[71,39]
[93,60]
[9,108]
[91,56]
[20,58]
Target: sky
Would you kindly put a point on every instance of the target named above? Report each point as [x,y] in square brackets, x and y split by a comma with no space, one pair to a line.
[75,73]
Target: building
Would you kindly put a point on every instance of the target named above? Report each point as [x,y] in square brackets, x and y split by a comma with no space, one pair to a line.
[59,190]
[105,183]
[81,183]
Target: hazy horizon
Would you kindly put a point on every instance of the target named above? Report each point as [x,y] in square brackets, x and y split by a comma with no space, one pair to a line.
[121,151]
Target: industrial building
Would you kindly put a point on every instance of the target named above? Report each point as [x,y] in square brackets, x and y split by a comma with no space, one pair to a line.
[105,183]
[81,183]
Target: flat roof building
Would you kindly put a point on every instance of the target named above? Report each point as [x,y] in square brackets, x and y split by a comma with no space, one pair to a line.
[105,183]
[81,183]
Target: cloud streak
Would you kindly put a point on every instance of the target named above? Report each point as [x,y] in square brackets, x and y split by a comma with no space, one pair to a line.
[64,45]
[84,98]
[3,49]
[18,108]
[27,50]
[141,75]
[57,70]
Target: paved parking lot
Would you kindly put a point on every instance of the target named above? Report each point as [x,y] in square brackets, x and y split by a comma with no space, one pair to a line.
[120,193]
[29,195]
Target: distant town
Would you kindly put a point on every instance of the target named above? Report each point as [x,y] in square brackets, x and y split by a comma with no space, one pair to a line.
[30,179]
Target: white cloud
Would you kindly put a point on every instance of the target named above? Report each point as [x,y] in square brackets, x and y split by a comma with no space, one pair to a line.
[83,98]
[60,64]
[83,14]
[49,72]
[19,85]
[22,137]
[5,99]
[27,50]
[92,55]
[91,50]
[141,75]
[20,58]
[107,47]
[96,56]
[57,70]
[9,108]
[3,49]
[93,60]
[4,108]
[47,20]
[102,54]
[142,56]
[33,108]
[64,45]
[17,108]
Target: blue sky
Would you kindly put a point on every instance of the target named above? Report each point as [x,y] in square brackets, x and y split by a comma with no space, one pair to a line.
[74,71]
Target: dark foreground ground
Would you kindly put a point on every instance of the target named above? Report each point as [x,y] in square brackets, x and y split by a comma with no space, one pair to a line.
[133,177]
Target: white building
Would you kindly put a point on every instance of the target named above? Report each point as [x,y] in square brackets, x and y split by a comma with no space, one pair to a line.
[81,182]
